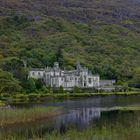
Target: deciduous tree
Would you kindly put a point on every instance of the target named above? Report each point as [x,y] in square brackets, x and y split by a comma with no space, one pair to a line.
[8,83]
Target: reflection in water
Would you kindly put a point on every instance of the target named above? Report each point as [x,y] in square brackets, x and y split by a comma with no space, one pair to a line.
[80,118]
[82,114]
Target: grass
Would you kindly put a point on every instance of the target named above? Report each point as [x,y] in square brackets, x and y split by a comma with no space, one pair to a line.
[107,131]
[122,108]
[95,133]
[41,97]
[2,104]
[74,95]
[16,116]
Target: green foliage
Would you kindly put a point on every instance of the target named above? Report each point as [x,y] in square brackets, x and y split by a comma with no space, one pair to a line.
[8,83]
[77,90]
[30,85]
[50,89]
[135,82]
[61,89]
[109,46]
[39,84]
[44,90]
[2,104]
[59,57]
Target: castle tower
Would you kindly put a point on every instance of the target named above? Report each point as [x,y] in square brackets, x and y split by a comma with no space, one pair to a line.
[78,65]
[56,65]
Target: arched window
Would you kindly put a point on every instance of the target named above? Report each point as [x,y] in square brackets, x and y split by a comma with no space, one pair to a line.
[89,81]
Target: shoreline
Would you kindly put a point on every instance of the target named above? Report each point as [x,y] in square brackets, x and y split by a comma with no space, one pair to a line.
[41,97]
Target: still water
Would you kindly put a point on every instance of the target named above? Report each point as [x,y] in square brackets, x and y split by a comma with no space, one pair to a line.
[81,114]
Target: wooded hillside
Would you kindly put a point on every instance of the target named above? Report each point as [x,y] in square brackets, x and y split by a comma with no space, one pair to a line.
[103,35]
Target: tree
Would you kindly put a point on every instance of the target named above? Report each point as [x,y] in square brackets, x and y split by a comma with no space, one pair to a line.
[59,56]
[13,65]
[39,83]
[50,90]
[8,83]
[61,89]
[76,89]
[30,85]
[125,87]
[45,90]
[135,82]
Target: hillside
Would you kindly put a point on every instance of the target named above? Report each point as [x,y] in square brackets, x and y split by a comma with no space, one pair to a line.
[74,10]
[102,35]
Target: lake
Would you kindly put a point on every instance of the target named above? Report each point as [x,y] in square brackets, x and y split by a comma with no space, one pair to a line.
[106,117]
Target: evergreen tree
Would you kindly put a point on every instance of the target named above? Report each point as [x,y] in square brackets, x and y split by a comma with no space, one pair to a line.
[30,85]
[61,89]
[59,56]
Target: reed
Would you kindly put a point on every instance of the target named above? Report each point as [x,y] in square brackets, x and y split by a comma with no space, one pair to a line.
[103,133]
[15,116]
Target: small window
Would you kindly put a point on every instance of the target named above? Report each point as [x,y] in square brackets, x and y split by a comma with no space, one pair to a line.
[33,73]
[38,73]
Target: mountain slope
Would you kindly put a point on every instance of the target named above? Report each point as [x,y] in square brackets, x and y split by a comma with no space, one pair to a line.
[103,35]
[83,10]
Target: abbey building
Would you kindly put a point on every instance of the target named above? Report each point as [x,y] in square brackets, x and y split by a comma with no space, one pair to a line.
[55,77]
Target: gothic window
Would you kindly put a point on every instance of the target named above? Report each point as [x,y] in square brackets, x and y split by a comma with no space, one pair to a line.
[89,81]
[68,78]
[84,84]
[90,112]
[84,77]
[54,81]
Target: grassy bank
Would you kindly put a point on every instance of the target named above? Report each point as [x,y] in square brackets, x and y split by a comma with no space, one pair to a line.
[121,108]
[41,97]
[103,133]
[16,116]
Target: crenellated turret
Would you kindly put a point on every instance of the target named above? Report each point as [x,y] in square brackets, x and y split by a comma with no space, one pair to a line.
[56,65]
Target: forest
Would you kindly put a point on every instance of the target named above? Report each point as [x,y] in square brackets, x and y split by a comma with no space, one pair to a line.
[103,37]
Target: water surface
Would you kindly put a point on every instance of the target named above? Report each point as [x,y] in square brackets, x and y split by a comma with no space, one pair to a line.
[95,113]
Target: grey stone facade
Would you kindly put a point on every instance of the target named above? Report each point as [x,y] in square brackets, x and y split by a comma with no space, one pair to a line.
[107,82]
[55,77]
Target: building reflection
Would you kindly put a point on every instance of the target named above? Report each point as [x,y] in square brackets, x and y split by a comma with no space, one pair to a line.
[80,118]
